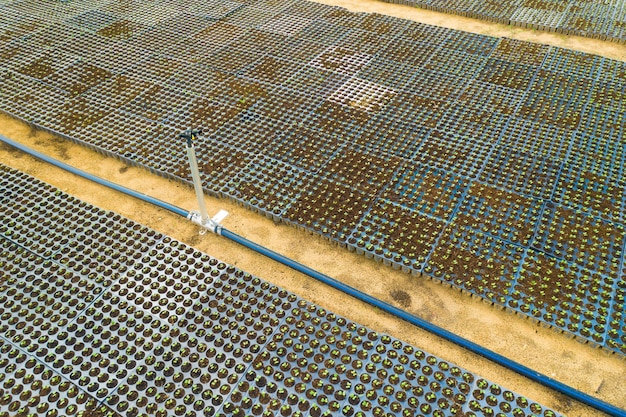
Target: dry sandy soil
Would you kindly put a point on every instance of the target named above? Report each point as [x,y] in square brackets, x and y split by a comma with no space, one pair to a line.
[590,370]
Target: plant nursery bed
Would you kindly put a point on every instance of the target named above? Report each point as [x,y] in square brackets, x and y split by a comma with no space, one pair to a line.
[122,320]
[327,121]
[601,21]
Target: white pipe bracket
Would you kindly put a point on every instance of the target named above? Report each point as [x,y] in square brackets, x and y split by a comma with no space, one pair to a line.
[212,224]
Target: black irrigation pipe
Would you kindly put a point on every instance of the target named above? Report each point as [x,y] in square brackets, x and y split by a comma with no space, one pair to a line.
[360,295]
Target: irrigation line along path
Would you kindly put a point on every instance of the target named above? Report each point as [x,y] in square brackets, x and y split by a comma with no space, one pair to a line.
[360,295]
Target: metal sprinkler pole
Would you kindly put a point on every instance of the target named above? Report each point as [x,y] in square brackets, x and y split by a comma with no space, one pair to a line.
[204,221]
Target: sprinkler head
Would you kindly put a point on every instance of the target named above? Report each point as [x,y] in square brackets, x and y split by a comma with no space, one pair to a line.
[189,135]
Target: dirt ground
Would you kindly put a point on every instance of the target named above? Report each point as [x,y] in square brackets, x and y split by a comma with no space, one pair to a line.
[590,370]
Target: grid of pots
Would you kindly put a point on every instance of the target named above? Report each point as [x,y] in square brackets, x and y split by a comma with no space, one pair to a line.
[364,41]
[241,93]
[573,63]
[609,93]
[496,98]
[491,12]
[47,62]
[49,12]
[158,103]
[361,169]
[455,62]
[323,32]
[271,70]
[504,215]
[30,387]
[586,312]
[180,322]
[344,18]
[475,262]
[37,216]
[602,122]
[156,69]
[15,55]
[564,113]
[12,54]
[522,52]
[590,190]
[92,20]
[284,104]
[560,86]
[341,60]
[590,20]
[576,18]
[386,135]
[307,9]
[51,35]
[541,139]
[328,208]
[17,24]
[387,73]
[232,59]
[198,79]
[286,24]
[540,19]
[155,39]
[363,95]
[12,84]
[315,83]
[85,45]
[220,34]
[52,292]
[251,16]
[262,41]
[507,74]
[336,120]
[596,154]
[436,85]
[202,112]
[426,190]
[32,103]
[268,186]
[134,140]
[384,25]
[458,153]
[118,90]
[416,31]
[109,254]
[470,43]
[305,149]
[339,124]
[422,112]
[121,29]
[395,235]
[185,23]
[152,14]
[47,335]
[521,172]
[120,57]
[77,78]
[612,70]
[74,115]
[319,364]
[219,164]
[409,52]
[581,239]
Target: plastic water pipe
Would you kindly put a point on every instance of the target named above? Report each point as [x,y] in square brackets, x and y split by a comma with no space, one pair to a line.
[360,295]
[60,164]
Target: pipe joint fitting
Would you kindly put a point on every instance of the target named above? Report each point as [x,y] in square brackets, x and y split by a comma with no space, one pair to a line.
[213,224]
